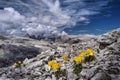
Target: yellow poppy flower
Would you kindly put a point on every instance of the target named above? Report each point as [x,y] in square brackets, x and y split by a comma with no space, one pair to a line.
[82,53]
[56,66]
[78,58]
[90,51]
[19,62]
[65,57]
[24,63]
[15,64]
[50,63]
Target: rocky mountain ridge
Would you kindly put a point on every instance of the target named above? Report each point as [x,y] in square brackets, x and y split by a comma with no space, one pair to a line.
[37,53]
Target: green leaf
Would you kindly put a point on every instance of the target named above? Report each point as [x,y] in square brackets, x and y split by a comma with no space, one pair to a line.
[89,59]
[60,73]
[77,68]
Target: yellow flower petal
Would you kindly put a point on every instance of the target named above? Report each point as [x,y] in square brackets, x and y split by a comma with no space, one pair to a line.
[19,62]
[15,64]
[77,58]
[82,53]
[90,51]
[24,63]
[50,63]
[56,66]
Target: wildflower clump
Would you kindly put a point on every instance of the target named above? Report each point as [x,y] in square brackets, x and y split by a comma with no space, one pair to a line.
[82,53]
[54,64]
[86,55]
[90,52]
[19,63]
[15,64]
[50,63]
[79,57]
[90,55]
[24,63]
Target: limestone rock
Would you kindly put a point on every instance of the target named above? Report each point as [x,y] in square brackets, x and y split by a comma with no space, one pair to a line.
[38,53]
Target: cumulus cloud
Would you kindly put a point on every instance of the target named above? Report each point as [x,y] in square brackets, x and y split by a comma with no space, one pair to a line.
[10,21]
[45,17]
[10,15]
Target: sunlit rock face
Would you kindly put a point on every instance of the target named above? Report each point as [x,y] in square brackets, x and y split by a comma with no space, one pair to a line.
[45,17]
[105,67]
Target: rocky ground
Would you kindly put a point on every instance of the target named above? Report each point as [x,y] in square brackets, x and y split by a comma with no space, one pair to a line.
[36,54]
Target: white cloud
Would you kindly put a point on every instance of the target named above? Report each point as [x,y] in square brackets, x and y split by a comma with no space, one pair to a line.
[45,17]
[10,15]
[83,19]
[11,21]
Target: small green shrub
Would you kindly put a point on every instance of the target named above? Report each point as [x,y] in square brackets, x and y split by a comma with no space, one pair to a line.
[77,68]
[59,73]
[89,59]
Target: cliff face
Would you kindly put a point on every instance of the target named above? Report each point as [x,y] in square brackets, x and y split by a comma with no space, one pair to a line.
[37,53]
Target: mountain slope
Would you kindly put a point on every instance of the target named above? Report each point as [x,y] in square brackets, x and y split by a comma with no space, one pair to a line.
[105,67]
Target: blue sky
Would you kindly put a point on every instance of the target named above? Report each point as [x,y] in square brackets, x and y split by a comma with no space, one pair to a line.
[107,20]
[55,17]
